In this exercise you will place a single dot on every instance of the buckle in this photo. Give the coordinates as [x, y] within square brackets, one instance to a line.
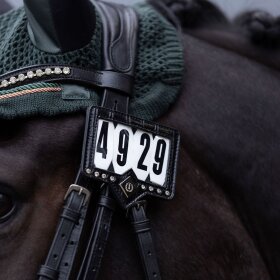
[80, 190]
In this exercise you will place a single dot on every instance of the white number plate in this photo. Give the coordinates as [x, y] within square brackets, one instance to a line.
[135, 156]
[119, 149]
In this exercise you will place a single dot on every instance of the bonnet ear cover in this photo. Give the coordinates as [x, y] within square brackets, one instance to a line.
[159, 69]
[60, 26]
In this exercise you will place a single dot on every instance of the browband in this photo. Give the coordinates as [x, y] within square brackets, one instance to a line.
[62, 73]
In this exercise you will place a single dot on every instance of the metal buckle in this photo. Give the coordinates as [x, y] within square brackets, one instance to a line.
[80, 190]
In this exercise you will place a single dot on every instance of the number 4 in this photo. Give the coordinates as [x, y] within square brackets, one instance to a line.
[102, 143]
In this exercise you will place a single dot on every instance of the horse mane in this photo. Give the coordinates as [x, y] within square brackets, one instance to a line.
[260, 27]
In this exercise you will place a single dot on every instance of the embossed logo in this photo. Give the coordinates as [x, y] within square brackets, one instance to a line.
[129, 187]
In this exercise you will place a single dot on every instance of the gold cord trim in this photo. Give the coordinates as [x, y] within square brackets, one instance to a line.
[30, 91]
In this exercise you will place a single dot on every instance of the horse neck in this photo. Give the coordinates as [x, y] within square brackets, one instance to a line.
[233, 40]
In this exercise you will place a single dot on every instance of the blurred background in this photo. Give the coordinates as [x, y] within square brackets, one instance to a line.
[230, 7]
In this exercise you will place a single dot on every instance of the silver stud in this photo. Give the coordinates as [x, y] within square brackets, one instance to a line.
[143, 187]
[167, 193]
[66, 70]
[57, 71]
[104, 176]
[151, 189]
[21, 77]
[13, 80]
[4, 83]
[159, 191]
[48, 71]
[96, 174]
[39, 73]
[88, 171]
[30, 74]
[112, 178]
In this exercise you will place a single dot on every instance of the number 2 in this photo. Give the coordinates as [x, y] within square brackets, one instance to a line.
[144, 141]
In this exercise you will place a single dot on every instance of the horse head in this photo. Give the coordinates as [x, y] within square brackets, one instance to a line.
[216, 228]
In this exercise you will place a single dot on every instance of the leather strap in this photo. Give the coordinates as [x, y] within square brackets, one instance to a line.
[75, 200]
[142, 229]
[98, 237]
[120, 29]
[61, 73]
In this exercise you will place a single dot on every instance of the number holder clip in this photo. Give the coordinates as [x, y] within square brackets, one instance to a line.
[112, 155]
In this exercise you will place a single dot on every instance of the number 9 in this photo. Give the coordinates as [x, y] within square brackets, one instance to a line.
[159, 157]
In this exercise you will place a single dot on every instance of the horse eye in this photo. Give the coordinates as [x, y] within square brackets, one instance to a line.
[7, 206]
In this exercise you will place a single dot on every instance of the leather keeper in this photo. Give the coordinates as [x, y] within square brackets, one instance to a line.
[141, 227]
[71, 215]
[48, 272]
[107, 202]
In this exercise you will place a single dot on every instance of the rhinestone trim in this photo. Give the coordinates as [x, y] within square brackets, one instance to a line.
[159, 191]
[33, 74]
[112, 178]
[167, 193]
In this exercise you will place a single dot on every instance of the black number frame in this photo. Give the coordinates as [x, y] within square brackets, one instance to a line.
[127, 188]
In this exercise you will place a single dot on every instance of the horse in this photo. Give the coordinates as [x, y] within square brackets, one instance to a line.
[222, 223]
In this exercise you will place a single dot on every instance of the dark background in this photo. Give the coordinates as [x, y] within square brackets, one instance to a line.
[230, 7]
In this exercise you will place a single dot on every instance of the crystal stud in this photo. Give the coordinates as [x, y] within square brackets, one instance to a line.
[143, 187]
[21, 77]
[30, 74]
[57, 71]
[66, 70]
[48, 71]
[104, 176]
[112, 178]
[4, 83]
[96, 174]
[39, 73]
[159, 191]
[167, 193]
[88, 171]
[151, 189]
[13, 80]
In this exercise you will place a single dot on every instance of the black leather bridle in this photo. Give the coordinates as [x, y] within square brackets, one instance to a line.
[69, 256]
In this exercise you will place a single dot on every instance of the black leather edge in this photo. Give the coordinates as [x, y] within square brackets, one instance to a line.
[121, 82]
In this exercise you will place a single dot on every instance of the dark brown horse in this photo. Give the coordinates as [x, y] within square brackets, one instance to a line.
[223, 222]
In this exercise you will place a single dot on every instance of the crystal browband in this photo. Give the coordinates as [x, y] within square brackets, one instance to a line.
[13, 80]
[64, 73]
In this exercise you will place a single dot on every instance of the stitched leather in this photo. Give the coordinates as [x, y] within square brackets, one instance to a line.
[69, 218]
[120, 29]
[141, 226]
[120, 26]
[98, 237]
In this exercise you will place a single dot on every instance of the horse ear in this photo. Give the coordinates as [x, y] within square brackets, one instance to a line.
[57, 26]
